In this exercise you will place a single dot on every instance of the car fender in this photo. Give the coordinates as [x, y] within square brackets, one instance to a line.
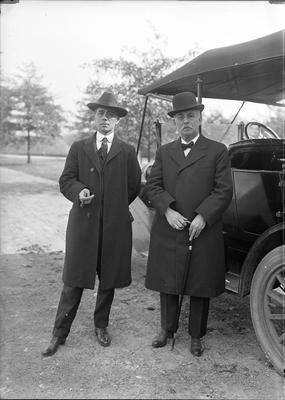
[268, 240]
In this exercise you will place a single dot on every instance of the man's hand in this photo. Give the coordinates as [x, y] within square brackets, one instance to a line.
[196, 226]
[85, 197]
[175, 219]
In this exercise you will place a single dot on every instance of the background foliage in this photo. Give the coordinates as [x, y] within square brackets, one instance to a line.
[125, 76]
[27, 106]
[29, 110]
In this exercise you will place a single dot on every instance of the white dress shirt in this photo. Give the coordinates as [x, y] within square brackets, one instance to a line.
[187, 151]
[100, 137]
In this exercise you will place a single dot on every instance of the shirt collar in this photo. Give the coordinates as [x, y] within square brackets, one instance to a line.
[100, 137]
[193, 140]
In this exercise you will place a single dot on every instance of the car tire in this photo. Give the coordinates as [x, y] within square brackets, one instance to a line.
[267, 306]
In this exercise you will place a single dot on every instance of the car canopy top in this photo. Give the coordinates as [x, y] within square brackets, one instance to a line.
[252, 71]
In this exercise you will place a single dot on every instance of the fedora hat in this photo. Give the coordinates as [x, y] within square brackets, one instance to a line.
[108, 100]
[184, 101]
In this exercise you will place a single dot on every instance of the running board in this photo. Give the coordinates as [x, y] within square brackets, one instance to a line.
[232, 282]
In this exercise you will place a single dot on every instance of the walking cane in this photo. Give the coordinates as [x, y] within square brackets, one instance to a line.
[184, 281]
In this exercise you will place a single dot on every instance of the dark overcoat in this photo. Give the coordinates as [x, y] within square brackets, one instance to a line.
[115, 186]
[200, 183]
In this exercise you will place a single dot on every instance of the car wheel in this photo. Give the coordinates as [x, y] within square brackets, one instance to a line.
[267, 306]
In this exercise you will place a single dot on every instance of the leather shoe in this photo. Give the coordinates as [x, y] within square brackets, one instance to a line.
[103, 336]
[53, 346]
[160, 340]
[196, 347]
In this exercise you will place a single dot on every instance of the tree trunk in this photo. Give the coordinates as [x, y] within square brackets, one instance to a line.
[28, 147]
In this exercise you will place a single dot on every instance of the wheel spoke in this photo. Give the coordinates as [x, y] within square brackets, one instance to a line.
[281, 280]
[277, 297]
[282, 337]
[276, 316]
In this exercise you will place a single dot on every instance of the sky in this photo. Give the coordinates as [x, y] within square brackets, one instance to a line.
[60, 36]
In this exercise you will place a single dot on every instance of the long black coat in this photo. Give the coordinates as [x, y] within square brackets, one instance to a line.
[197, 184]
[115, 187]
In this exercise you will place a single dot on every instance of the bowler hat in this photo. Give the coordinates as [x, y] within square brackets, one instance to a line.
[184, 101]
[108, 100]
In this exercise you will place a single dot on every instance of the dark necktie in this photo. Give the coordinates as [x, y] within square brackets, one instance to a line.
[103, 150]
[186, 145]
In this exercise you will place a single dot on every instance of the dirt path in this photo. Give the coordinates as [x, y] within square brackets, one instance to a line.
[33, 221]
[33, 212]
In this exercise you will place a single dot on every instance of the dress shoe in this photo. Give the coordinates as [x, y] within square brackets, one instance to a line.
[160, 340]
[53, 346]
[196, 347]
[103, 336]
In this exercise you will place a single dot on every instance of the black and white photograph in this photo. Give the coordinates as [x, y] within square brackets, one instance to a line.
[142, 199]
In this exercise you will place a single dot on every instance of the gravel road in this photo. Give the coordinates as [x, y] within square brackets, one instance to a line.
[33, 222]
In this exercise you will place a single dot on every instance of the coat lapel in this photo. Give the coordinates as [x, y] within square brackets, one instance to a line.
[92, 154]
[114, 149]
[176, 152]
[198, 151]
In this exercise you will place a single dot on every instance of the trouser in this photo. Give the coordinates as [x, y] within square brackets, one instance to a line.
[198, 314]
[71, 296]
[68, 305]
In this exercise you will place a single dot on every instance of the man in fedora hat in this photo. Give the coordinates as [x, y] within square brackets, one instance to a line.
[101, 177]
[190, 187]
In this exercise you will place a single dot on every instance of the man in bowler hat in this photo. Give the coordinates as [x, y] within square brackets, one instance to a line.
[101, 177]
[190, 187]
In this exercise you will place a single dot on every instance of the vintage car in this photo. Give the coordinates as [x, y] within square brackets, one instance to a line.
[254, 222]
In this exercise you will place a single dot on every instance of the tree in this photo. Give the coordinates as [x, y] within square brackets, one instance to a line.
[31, 114]
[276, 120]
[7, 126]
[124, 76]
[216, 117]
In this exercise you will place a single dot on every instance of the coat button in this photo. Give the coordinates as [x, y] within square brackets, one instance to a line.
[92, 169]
[88, 215]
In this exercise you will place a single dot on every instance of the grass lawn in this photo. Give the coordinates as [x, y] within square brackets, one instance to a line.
[44, 167]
